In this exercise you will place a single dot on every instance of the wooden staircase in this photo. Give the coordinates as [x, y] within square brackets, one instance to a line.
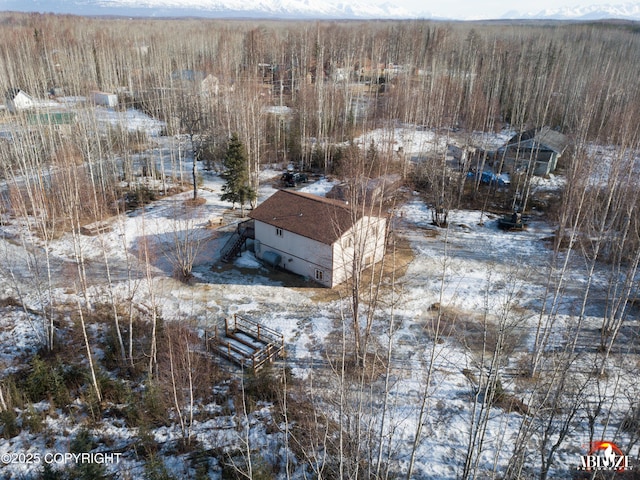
[234, 245]
[246, 343]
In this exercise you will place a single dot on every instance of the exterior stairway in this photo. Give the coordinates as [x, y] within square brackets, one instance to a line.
[235, 243]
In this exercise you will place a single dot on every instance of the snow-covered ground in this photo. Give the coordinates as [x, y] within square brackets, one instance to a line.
[418, 141]
[471, 268]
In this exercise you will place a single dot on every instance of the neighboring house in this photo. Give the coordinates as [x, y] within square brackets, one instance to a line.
[188, 75]
[212, 86]
[140, 49]
[373, 191]
[538, 149]
[192, 81]
[104, 99]
[197, 81]
[17, 99]
[316, 237]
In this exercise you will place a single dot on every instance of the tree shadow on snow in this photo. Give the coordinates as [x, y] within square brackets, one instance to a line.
[168, 252]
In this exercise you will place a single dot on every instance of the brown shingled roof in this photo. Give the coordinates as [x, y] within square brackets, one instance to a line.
[311, 216]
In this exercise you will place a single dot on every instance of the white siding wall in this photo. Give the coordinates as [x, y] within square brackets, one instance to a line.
[104, 99]
[304, 256]
[21, 101]
[300, 255]
[369, 235]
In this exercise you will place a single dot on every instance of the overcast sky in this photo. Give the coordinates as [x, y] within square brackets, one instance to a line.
[476, 9]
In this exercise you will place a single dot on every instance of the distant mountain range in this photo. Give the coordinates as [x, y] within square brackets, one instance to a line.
[286, 9]
[625, 11]
[291, 9]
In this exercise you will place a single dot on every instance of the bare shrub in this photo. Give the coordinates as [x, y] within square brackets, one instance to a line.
[195, 202]
[312, 431]
[472, 331]
[192, 368]
[139, 196]
[122, 140]
[238, 467]
[631, 421]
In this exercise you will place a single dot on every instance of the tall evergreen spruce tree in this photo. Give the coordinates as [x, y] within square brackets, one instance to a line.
[237, 187]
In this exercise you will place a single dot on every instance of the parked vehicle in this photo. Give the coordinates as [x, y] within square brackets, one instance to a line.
[514, 221]
[293, 179]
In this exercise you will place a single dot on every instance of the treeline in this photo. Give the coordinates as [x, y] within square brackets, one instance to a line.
[579, 78]
[336, 80]
[297, 92]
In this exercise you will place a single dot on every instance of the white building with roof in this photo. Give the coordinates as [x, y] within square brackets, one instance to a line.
[316, 237]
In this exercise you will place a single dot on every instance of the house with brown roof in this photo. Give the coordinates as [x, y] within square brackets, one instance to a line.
[317, 237]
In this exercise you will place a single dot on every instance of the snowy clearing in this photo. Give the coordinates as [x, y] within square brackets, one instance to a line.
[470, 269]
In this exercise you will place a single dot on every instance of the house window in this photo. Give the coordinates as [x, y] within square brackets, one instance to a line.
[319, 275]
[278, 232]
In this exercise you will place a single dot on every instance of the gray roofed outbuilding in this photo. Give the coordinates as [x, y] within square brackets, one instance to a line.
[544, 137]
[536, 150]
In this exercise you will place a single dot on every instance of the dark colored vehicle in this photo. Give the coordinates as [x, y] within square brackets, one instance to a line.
[293, 179]
[515, 221]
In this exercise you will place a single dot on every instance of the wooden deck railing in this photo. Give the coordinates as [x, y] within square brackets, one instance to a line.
[267, 344]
